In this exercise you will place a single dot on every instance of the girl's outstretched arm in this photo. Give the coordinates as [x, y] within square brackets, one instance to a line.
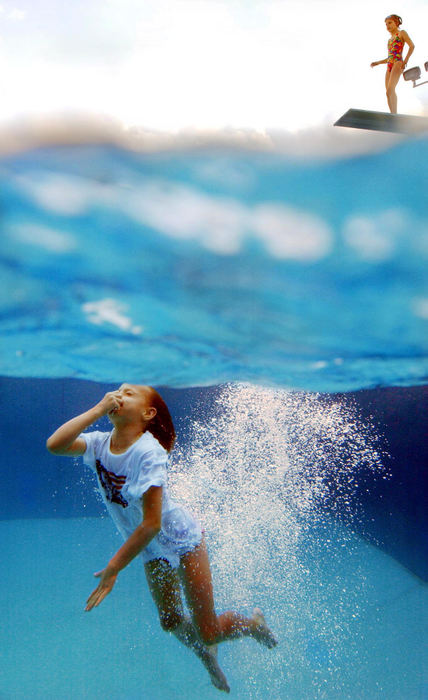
[140, 538]
[378, 63]
[65, 440]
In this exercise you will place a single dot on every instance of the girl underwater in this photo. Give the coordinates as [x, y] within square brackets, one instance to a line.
[395, 64]
[131, 467]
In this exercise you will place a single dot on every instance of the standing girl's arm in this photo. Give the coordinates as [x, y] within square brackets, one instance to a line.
[65, 440]
[140, 538]
[378, 63]
[407, 40]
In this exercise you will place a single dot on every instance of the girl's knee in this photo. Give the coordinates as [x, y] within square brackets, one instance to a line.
[208, 635]
[169, 621]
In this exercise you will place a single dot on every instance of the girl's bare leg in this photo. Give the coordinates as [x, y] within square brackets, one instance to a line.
[387, 74]
[164, 586]
[197, 583]
[391, 80]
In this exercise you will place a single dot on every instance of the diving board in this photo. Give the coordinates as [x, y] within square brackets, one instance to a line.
[383, 121]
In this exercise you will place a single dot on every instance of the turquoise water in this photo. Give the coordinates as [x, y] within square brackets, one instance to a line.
[201, 267]
[290, 280]
[358, 632]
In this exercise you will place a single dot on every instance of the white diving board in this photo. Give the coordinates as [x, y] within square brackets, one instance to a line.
[383, 121]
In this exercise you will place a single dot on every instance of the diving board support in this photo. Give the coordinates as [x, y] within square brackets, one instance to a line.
[383, 121]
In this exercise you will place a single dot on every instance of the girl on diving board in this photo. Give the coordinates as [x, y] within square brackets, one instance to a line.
[395, 64]
[130, 463]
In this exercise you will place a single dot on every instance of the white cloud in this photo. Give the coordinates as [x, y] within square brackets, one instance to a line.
[53, 240]
[290, 233]
[375, 237]
[221, 224]
[63, 194]
[218, 223]
[110, 311]
[183, 212]
[363, 235]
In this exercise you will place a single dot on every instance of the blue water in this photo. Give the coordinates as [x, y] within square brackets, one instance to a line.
[358, 634]
[291, 280]
[200, 267]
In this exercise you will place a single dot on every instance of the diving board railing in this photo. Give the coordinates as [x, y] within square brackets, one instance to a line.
[414, 74]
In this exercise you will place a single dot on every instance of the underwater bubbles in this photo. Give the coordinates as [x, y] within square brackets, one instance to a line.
[273, 476]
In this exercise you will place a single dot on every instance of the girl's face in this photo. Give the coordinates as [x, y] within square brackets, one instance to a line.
[134, 404]
[391, 25]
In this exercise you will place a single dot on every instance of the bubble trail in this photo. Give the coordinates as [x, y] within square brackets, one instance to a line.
[272, 475]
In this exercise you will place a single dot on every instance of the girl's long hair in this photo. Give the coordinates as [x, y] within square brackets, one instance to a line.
[161, 426]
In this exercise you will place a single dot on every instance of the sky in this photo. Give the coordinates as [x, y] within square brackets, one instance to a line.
[172, 65]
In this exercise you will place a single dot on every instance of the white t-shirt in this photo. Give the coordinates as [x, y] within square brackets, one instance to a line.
[122, 481]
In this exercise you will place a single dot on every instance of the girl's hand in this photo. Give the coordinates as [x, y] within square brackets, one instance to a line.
[108, 579]
[110, 403]
[375, 63]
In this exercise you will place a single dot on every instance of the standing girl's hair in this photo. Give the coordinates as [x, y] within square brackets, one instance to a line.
[397, 19]
[161, 426]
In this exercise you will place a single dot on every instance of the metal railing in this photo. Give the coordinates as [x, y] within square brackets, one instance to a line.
[414, 74]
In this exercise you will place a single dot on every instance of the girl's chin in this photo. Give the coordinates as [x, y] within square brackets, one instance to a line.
[114, 416]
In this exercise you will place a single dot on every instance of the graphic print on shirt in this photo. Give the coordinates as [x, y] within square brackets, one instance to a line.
[112, 484]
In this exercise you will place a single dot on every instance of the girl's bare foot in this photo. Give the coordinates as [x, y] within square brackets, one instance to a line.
[260, 631]
[209, 659]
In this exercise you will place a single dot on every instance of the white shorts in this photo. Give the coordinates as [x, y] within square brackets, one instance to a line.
[180, 534]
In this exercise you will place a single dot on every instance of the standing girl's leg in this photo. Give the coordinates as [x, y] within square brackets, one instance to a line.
[164, 585]
[387, 74]
[197, 583]
[391, 79]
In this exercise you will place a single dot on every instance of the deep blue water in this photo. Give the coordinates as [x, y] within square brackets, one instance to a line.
[330, 540]
[281, 305]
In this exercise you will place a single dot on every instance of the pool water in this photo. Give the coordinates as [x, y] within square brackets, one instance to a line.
[358, 629]
[280, 304]
[215, 266]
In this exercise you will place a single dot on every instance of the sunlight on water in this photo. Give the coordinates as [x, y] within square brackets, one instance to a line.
[267, 475]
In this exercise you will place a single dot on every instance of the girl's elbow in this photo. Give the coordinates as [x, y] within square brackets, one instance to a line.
[153, 527]
[53, 447]
[156, 528]
[50, 445]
